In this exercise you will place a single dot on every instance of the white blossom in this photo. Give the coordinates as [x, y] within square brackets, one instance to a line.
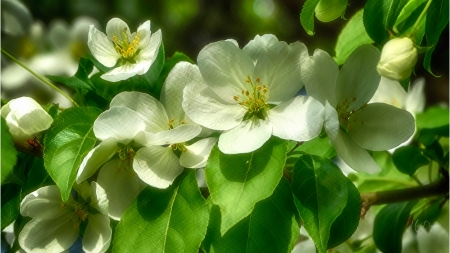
[131, 53]
[398, 58]
[25, 117]
[351, 124]
[55, 225]
[250, 94]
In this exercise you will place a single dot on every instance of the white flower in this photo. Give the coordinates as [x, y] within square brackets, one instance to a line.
[133, 53]
[55, 225]
[25, 117]
[249, 93]
[351, 124]
[398, 58]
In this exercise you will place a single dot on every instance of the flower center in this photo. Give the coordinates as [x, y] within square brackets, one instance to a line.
[79, 212]
[177, 146]
[126, 156]
[347, 118]
[125, 46]
[254, 99]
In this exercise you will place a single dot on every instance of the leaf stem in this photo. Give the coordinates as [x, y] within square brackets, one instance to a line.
[39, 77]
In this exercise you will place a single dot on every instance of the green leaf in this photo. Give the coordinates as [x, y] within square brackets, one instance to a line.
[51, 109]
[170, 220]
[352, 36]
[9, 153]
[380, 16]
[66, 143]
[404, 24]
[307, 16]
[80, 80]
[347, 222]
[37, 176]
[168, 65]
[272, 226]
[152, 75]
[237, 182]
[408, 159]
[321, 192]
[437, 20]
[389, 225]
[10, 203]
[318, 146]
[433, 117]
[427, 136]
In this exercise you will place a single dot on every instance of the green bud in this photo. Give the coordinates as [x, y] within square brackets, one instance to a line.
[329, 10]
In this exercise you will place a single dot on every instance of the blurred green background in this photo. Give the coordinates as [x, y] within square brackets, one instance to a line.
[189, 25]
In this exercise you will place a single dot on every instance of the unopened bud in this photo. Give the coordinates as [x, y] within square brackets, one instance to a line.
[398, 58]
[329, 10]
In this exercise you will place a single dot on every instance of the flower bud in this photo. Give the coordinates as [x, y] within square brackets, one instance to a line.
[398, 58]
[329, 10]
[25, 117]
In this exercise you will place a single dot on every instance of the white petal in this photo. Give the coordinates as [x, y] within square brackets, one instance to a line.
[48, 236]
[390, 92]
[332, 125]
[102, 48]
[29, 116]
[96, 158]
[149, 108]
[99, 198]
[381, 127]
[197, 154]
[247, 137]
[259, 45]
[115, 27]
[353, 155]
[44, 203]
[319, 73]
[179, 134]
[279, 69]
[299, 119]
[358, 77]
[157, 166]
[97, 236]
[204, 107]
[225, 68]
[415, 102]
[121, 186]
[148, 54]
[123, 72]
[120, 123]
[144, 33]
[181, 75]
[15, 130]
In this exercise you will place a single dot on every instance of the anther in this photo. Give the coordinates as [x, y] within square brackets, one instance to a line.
[257, 80]
[236, 98]
[258, 87]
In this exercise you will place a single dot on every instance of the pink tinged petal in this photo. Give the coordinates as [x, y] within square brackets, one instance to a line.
[123, 72]
[120, 123]
[44, 203]
[197, 154]
[381, 127]
[299, 119]
[96, 158]
[181, 75]
[259, 45]
[353, 155]
[358, 77]
[97, 236]
[332, 125]
[157, 166]
[320, 73]
[116, 27]
[149, 108]
[204, 107]
[179, 134]
[99, 198]
[225, 68]
[121, 186]
[48, 236]
[279, 69]
[247, 137]
[102, 48]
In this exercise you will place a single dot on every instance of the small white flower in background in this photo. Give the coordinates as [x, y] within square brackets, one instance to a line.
[25, 117]
[398, 58]
[55, 225]
[351, 124]
[250, 94]
[133, 53]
